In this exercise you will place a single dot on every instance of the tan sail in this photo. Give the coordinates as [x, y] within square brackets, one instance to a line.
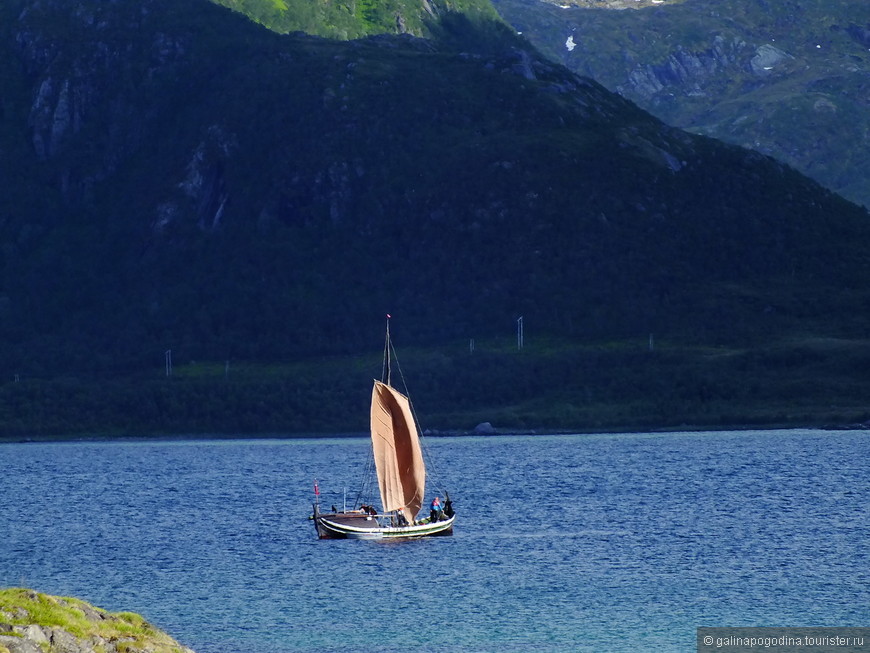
[398, 457]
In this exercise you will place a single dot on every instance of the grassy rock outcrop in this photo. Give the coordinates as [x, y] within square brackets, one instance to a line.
[31, 622]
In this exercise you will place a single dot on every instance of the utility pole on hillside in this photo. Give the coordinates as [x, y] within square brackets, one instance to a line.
[168, 356]
[520, 333]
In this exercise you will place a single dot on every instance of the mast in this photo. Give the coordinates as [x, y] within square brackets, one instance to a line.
[385, 374]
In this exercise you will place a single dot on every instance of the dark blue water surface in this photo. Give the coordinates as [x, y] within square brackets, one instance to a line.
[603, 543]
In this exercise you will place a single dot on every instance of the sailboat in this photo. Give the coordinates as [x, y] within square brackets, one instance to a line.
[401, 475]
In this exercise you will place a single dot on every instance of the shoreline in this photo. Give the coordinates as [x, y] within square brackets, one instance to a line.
[432, 433]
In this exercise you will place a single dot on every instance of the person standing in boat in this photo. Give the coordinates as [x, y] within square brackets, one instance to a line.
[435, 510]
[400, 517]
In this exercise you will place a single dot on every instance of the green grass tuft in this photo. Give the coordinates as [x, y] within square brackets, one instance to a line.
[129, 631]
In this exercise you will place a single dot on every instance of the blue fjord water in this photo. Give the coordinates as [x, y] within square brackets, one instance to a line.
[604, 543]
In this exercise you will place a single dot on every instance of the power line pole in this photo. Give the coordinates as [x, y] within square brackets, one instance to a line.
[168, 356]
[520, 333]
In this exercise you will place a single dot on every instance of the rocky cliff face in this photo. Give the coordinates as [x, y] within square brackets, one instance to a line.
[694, 72]
[613, 4]
[31, 622]
[93, 97]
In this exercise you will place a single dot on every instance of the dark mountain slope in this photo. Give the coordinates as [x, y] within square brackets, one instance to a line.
[183, 179]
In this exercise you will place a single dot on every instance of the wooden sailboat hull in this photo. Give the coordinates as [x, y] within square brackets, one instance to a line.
[401, 473]
[357, 526]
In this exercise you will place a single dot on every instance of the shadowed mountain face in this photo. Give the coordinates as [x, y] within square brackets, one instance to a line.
[788, 79]
[179, 177]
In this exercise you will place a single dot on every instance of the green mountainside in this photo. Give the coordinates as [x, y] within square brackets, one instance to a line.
[788, 79]
[179, 179]
[350, 19]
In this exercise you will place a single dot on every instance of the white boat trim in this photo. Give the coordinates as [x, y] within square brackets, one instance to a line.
[381, 532]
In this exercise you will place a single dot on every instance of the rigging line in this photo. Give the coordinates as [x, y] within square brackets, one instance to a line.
[385, 371]
[371, 478]
[365, 489]
[434, 475]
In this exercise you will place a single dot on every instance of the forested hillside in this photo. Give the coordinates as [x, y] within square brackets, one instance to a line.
[182, 179]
